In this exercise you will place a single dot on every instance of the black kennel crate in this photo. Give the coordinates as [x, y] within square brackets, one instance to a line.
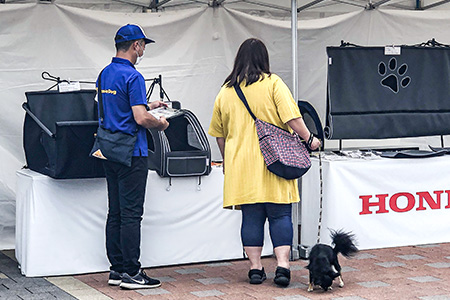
[58, 134]
[180, 150]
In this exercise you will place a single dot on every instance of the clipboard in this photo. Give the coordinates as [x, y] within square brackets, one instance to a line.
[166, 112]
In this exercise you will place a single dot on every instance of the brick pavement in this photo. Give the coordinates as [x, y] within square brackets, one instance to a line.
[415, 272]
[15, 286]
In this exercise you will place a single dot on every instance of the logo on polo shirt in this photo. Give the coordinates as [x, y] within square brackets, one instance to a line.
[108, 91]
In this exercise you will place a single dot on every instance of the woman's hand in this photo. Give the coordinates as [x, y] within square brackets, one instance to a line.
[299, 126]
[314, 144]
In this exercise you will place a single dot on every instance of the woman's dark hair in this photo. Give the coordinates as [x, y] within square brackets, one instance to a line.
[250, 64]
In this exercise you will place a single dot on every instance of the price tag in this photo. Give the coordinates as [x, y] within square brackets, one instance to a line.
[64, 87]
[392, 50]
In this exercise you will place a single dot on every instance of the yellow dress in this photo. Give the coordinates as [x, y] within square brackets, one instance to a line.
[247, 179]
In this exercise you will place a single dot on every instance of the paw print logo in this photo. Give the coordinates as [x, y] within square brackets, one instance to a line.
[394, 78]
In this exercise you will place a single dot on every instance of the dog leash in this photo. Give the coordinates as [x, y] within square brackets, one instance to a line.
[321, 196]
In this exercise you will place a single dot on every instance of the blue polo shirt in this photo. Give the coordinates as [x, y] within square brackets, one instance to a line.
[123, 87]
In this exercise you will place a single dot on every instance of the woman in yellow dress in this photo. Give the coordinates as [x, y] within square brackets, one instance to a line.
[248, 183]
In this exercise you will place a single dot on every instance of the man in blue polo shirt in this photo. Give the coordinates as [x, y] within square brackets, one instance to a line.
[125, 109]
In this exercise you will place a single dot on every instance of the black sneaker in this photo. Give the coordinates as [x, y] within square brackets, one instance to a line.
[115, 278]
[139, 281]
[282, 276]
[256, 276]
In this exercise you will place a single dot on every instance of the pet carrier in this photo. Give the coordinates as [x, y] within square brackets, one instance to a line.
[58, 133]
[180, 150]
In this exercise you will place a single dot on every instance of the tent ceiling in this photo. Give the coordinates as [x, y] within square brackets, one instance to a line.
[277, 9]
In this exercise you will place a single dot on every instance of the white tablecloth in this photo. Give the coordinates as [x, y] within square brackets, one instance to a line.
[60, 224]
[413, 193]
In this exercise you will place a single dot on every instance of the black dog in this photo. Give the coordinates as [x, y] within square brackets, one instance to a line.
[323, 261]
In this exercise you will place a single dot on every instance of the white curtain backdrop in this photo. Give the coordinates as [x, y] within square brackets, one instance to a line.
[194, 52]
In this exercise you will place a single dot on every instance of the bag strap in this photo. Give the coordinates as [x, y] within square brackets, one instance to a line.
[100, 100]
[242, 97]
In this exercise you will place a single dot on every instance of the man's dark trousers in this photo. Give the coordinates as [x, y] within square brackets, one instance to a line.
[126, 194]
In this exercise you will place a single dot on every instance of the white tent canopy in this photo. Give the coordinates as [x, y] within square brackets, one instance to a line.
[196, 42]
[307, 9]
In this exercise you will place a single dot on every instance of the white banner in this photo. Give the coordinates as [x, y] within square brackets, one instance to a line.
[385, 202]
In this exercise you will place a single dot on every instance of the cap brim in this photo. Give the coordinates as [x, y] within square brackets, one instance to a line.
[148, 41]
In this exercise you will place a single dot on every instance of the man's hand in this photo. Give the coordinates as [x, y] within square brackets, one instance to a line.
[163, 124]
[156, 104]
[145, 119]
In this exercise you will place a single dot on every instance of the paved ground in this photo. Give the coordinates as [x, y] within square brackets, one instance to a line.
[419, 272]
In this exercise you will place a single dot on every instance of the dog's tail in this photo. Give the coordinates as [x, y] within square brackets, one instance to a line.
[344, 243]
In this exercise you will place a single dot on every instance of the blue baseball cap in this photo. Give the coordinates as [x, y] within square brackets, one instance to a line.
[131, 32]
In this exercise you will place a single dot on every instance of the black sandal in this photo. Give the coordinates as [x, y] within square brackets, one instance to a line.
[257, 276]
[282, 277]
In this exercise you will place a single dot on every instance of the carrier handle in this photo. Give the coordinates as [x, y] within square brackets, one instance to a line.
[33, 116]
[46, 76]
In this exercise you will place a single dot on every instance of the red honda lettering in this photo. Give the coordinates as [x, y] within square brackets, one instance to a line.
[448, 199]
[381, 203]
[409, 197]
[429, 199]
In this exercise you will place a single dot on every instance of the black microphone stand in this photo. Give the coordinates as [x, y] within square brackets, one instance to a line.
[162, 92]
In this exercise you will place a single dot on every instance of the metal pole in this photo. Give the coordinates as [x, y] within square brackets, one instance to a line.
[418, 5]
[294, 48]
[435, 4]
[308, 5]
[295, 207]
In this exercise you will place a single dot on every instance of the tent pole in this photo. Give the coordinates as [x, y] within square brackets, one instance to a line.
[434, 4]
[295, 207]
[294, 49]
[418, 5]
